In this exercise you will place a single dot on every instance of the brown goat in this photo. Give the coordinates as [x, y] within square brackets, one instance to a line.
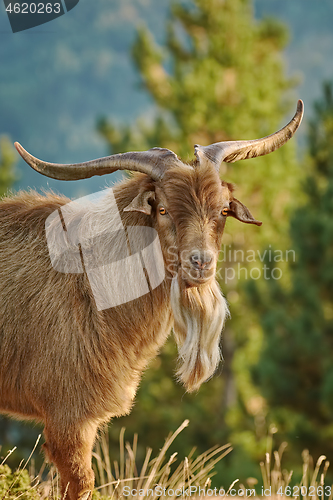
[69, 364]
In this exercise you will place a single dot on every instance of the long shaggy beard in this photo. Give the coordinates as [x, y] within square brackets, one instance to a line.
[199, 316]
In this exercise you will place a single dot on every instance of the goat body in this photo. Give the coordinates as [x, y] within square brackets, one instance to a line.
[63, 362]
[72, 365]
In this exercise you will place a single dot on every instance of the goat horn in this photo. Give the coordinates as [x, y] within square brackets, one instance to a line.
[153, 162]
[241, 150]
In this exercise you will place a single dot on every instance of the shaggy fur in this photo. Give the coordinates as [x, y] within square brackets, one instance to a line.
[72, 367]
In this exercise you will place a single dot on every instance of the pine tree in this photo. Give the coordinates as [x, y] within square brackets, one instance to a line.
[219, 76]
[295, 371]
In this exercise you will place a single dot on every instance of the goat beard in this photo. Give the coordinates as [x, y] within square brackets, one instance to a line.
[199, 316]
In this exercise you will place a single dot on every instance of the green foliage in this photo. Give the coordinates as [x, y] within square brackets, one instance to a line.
[219, 76]
[295, 369]
[7, 161]
[16, 484]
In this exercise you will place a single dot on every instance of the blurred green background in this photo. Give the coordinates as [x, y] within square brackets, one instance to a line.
[120, 75]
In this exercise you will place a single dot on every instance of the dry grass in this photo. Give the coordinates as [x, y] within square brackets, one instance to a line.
[166, 476]
[279, 484]
[159, 473]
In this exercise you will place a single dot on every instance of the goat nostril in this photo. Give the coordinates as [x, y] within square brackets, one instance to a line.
[200, 261]
[195, 261]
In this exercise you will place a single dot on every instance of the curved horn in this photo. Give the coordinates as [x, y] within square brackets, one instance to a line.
[241, 150]
[153, 162]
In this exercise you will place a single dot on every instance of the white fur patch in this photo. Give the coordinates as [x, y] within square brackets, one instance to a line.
[199, 315]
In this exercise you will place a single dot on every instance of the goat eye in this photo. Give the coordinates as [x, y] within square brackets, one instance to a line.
[225, 211]
[163, 211]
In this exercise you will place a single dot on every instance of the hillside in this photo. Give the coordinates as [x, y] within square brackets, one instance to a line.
[56, 80]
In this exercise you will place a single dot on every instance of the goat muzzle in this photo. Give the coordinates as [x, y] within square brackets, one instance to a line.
[198, 268]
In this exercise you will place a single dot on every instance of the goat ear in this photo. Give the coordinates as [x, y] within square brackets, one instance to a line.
[242, 213]
[141, 203]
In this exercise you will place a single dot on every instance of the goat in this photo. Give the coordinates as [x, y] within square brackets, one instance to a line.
[71, 365]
